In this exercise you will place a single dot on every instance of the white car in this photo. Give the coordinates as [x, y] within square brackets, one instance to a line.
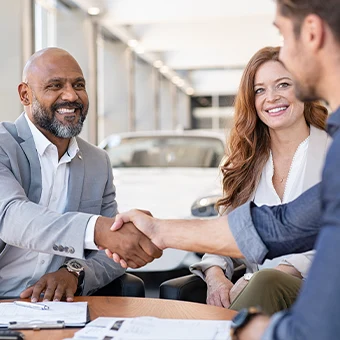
[165, 172]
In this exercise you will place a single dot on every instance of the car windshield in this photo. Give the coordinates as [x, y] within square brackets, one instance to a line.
[163, 151]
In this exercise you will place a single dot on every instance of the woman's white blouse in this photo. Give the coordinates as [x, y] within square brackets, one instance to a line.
[266, 195]
[265, 192]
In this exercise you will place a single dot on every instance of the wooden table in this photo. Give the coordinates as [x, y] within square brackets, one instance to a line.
[132, 307]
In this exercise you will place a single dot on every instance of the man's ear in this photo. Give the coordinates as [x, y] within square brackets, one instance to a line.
[24, 94]
[313, 32]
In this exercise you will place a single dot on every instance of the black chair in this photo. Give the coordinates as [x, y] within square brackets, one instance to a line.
[125, 285]
[190, 287]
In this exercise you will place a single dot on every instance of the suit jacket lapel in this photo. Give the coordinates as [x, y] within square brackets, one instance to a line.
[75, 184]
[28, 146]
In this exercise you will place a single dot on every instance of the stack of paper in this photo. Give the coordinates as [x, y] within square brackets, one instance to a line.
[151, 328]
[74, 314]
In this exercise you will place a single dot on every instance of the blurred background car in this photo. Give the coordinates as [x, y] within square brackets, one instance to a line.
[173, 174]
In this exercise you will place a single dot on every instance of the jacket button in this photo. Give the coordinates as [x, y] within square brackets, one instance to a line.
[55, 247]
[61, 248]
[71, 250]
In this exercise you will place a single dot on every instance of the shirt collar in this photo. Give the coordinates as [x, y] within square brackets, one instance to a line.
[72, 148]
[333, 122]
[42, 143]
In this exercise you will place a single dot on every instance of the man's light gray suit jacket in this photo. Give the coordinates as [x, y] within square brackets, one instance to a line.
[26, 224]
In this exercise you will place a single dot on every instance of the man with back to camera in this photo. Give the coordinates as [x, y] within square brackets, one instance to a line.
[311, 52]
[54, 186]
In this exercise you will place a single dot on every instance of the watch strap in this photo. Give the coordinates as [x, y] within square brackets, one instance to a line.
[80, 287]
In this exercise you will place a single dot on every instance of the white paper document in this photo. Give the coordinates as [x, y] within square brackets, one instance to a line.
[150, 328]
[72, 313]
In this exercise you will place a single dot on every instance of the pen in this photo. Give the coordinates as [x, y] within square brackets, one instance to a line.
[31, 305]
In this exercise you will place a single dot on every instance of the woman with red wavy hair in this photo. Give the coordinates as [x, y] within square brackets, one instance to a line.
[276, 151]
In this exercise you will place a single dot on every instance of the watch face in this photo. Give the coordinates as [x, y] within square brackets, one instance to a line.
[75, 265]
[248, 276]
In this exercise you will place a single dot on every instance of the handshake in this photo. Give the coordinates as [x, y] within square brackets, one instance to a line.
[139, 238]
[133, 240]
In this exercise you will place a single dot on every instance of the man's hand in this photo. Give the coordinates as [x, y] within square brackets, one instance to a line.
[145, 223]
[255, 328]
[237, 289]
[218, 287]
[54, 286]
[128, 243]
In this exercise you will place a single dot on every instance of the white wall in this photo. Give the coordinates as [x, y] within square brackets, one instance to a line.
[166, 108]
[144, 96]
[11, 63]
[113, 88]
[183, 110]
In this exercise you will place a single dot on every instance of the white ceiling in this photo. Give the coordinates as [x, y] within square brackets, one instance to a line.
[207, 42]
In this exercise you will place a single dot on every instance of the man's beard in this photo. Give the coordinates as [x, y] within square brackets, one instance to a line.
[42, 117]
[305, 93]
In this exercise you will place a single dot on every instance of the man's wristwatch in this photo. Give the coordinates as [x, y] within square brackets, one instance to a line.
[77, 269]
[241, 319]
[248, 276]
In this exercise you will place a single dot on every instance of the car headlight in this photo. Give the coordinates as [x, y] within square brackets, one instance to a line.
[205, 206]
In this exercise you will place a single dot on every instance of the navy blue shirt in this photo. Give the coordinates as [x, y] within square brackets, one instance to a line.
[294, 227]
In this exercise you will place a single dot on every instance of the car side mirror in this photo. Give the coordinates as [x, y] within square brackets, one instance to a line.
[205, 206]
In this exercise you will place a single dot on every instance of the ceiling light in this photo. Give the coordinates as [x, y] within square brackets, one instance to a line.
[139, 50]
[93, 10]
[132, 43]
[158, 63]
[164, 69]
[180, 83]
[189, 91]
[175, 79]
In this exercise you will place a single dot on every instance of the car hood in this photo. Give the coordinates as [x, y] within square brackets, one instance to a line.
[166, 192]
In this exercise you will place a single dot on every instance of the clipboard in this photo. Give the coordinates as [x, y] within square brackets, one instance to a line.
[58, 315]
[36, 325]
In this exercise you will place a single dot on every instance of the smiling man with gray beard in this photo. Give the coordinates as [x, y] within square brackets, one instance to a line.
[57, 198]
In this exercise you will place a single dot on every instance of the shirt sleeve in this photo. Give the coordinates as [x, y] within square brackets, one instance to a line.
[246, 235]
[300, 262]
[211, 260]
[269, 232]
[276, 319]
[89, 234]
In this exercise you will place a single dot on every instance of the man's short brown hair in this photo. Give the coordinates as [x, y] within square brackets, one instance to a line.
[297, 10]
